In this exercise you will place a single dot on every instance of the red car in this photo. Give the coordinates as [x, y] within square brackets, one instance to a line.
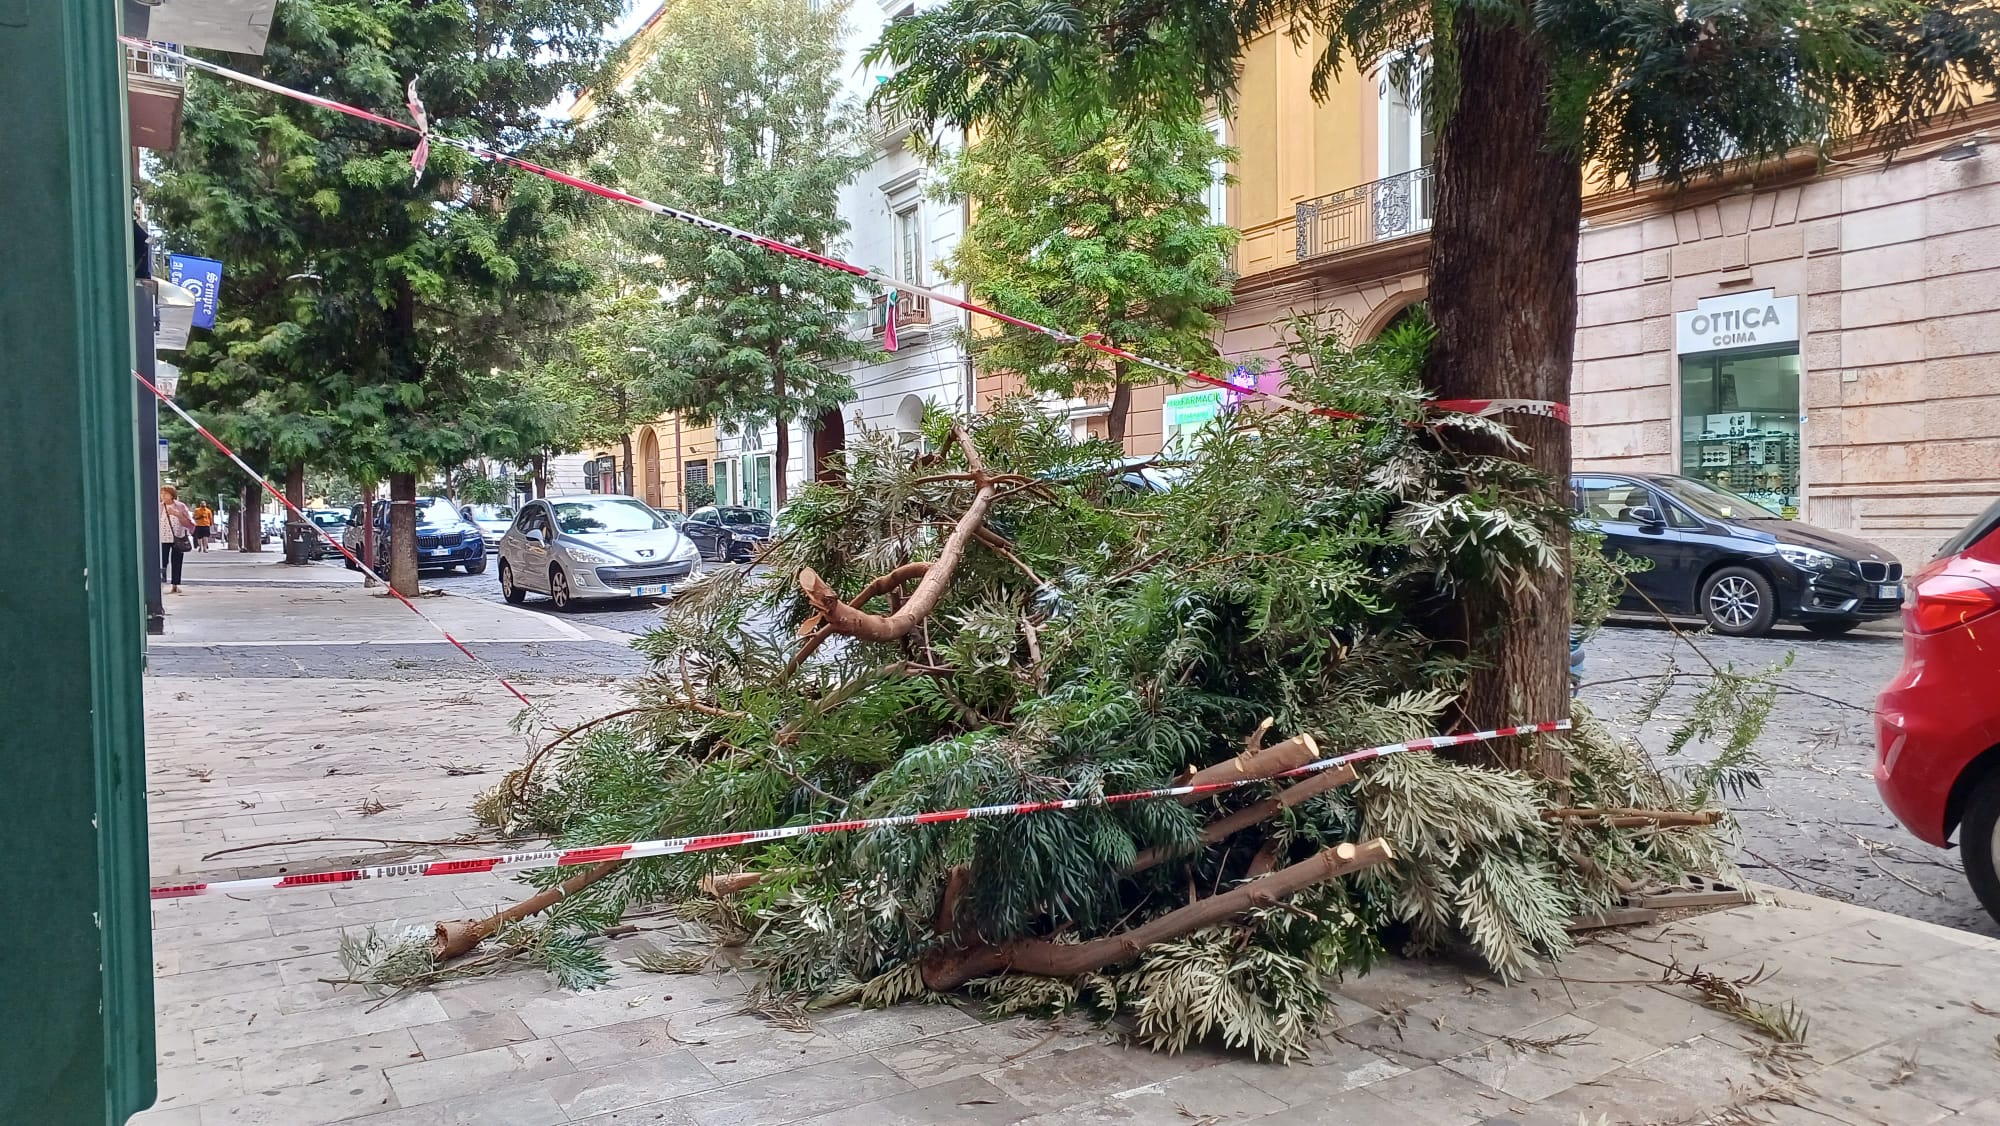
[1937, 725]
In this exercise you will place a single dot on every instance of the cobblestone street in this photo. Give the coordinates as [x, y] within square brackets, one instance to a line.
[1818, 825]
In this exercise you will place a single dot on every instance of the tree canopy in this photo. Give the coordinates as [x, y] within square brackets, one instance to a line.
[362, 313]
[738, 117]
[1101, 226]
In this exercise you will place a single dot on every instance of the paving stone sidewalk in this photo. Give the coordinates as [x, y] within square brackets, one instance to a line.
[250, 1032]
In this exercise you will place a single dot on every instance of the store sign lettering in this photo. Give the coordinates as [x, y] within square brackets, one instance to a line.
[1746, 320]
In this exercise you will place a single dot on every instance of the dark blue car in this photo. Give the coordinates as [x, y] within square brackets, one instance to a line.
[445, 539]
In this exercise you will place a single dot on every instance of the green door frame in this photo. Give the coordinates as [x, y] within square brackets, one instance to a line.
[77, 941]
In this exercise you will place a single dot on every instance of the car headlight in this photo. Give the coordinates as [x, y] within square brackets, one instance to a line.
[1808, 558]
[744, 537]
[588, 557]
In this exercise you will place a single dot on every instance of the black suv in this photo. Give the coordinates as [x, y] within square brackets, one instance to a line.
[1732, 562]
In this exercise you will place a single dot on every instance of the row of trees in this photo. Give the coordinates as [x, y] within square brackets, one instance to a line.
[384, 330]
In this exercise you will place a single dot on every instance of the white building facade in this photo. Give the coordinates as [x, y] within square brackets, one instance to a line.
[897, 227]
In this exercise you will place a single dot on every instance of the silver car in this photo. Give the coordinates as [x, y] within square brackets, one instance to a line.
[588, 547]
[491, 519]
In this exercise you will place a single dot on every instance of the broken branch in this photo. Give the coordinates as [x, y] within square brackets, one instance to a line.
[1065, 959]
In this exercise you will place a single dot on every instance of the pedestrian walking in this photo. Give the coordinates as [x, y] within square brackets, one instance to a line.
[204, 524]
[176, 537]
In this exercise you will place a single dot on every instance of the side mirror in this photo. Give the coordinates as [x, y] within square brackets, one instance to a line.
[534, 535]
[1648, 517]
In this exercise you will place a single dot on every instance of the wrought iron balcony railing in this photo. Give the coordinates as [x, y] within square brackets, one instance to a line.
[889, 124]
[145, 62]
[1385, 209]
[912, 311]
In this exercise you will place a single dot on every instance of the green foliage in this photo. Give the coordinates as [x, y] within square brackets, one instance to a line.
[1677, 89]
[1294, 574]
[1099, 224]
[1597, 580]
[361, 316]
[737, 118]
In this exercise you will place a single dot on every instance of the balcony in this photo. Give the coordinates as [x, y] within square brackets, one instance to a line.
[912, 312]
[1382, 211]
[889, 125]
[155, 83]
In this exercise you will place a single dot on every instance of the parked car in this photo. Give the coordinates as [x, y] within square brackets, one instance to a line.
[444, 538]
[333, 522]
[593, 546]
[728, 534]
[493, 521]
[1937, 724]
[1731, 562]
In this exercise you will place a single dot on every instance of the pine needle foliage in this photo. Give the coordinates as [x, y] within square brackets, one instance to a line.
[1114, 640]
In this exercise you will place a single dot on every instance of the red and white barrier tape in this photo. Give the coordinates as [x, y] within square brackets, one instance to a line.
[637, 850]
[425, 138]
[278, 493]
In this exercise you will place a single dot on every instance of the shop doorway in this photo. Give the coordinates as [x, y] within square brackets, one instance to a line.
[1740, 423]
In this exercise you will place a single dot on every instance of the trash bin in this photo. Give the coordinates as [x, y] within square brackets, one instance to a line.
[300, 538]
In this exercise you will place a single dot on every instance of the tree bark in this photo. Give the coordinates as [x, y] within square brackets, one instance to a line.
[627, 450]
[295, 491]
[252, 523]
[1503, 298]
[539, 481]
[782, 450]
[402, 574]
[1121, 406]
[368, 553]
[947, 970]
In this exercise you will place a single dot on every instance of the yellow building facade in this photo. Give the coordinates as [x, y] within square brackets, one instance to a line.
[1861, 397]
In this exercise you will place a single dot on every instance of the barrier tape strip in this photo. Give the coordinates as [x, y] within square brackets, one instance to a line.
[637, 850]
[1096, 342]
[365, 569]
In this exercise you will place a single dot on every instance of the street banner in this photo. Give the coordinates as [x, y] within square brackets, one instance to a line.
[201, 277]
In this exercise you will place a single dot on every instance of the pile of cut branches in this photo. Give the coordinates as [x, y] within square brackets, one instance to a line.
[1004, 617]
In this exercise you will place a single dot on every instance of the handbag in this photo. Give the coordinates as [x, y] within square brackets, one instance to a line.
[183, 542]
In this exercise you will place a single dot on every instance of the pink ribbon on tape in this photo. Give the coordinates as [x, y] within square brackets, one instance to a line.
[674, 846]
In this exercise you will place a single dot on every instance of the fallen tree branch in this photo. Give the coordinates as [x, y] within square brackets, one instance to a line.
[843, 618]
[456, 938]
[1255, 762]
[948, 970]
[1217, 831]
[998, 545]
[527, 770]
[1635, 818]
[889, 584]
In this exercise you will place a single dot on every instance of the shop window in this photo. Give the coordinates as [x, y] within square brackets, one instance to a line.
[1740, 424]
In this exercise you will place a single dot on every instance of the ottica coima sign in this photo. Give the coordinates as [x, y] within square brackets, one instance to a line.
[1738, 320]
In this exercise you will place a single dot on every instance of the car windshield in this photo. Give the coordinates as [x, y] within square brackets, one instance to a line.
[492, 512]
[435, 510]
[1714, 503]
[584, 517]
[743, 516]
[1981, 526]
[329, 519]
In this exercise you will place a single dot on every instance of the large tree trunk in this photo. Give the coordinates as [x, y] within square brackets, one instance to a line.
[402, 574]
[253, 519]
[627, 439]
[782, 451]
[1121, 406]
[295, 491]
[538, 483]
[1503, 296]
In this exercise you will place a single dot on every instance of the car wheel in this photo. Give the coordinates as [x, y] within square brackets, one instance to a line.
[348, 562]
[559, 590]
[1832, 628]
[513, 594]
[476, 567]
[1739, 602]
[1979, 842]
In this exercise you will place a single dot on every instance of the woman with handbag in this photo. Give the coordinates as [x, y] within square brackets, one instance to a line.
[175, 538]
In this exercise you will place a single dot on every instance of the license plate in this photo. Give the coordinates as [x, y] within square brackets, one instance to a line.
[1888, 590]
[440, 551]
[652, 588]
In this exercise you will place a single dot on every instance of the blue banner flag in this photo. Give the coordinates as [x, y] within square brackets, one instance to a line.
[201, 277]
